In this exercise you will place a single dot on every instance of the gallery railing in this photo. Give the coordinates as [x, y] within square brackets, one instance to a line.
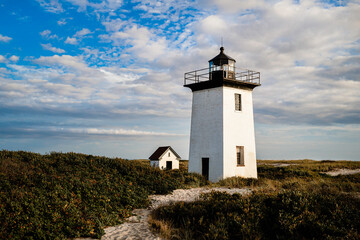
[234, 74]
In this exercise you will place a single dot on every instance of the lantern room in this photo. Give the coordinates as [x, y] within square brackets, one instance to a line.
[222, 67]
[221, 72]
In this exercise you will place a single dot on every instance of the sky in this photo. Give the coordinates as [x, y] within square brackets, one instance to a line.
[106, 77]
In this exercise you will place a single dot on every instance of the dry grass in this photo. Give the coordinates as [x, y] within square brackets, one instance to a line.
[166, 229]
[143, 161]
[324, 165]
[163, 228]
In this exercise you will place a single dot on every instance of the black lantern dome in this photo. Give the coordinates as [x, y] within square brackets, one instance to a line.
[221, 58]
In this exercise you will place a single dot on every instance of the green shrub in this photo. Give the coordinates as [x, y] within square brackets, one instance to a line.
[283, 215]
[66, 195]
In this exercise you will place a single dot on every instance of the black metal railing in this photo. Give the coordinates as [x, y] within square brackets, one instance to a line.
[234, 74]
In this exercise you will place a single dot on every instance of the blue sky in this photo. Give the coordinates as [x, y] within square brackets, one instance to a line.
[105, 77]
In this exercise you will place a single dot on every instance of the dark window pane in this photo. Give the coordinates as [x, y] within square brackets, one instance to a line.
[237, 102]
[240, 155]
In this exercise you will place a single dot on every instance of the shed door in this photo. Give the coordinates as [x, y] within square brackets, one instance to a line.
[205, 168]
[169, 165]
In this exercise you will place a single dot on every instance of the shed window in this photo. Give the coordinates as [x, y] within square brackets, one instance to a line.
[169, 154]
[237, 102]
[240, 155]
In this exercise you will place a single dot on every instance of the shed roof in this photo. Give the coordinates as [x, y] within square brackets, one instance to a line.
[160, 152]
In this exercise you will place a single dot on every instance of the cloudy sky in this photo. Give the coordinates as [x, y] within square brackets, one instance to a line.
[105, 77]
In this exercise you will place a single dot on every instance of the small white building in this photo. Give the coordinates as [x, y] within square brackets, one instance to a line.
[222, 138]
[165, 158]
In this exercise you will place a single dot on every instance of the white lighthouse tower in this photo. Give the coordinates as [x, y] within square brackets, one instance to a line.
[222, 138]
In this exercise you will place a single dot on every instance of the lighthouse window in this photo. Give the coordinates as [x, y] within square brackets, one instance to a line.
[240, 155]
[237, 102]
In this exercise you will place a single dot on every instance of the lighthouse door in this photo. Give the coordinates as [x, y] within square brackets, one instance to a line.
[205, 168]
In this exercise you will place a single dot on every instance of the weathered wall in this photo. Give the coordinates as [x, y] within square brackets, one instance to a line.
[206, 135]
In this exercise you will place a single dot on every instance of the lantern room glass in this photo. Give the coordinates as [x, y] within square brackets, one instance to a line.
[230, 66]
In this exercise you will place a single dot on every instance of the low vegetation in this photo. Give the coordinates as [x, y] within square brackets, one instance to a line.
[295, 200]
[286, 214]
[67, 195]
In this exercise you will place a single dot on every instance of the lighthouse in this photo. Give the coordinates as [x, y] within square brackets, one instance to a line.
[222, 136]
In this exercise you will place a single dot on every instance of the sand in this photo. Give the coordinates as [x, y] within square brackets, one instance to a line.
[137, 227]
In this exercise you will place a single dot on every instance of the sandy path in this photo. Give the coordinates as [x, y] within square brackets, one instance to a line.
[278, 164]
[137, 227]
[342, 171]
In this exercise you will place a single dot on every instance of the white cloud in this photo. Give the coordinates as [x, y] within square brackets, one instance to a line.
[114, 4]
[9, 88]
[71, 62]
[102, 6]
[2, 59]
[67, 84]
[108, 5]
[82, 32]
[165, 9]
[231, 6]
[14, 58]
[214, 25]
[61, 22]
[51, 5]
[5, 38]
[45, 33]
[144, 44]
[119, 131]
[71, 40]
[114, 25]
[78, 36]
[82, 4]
[49, 47]
[51, 88]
